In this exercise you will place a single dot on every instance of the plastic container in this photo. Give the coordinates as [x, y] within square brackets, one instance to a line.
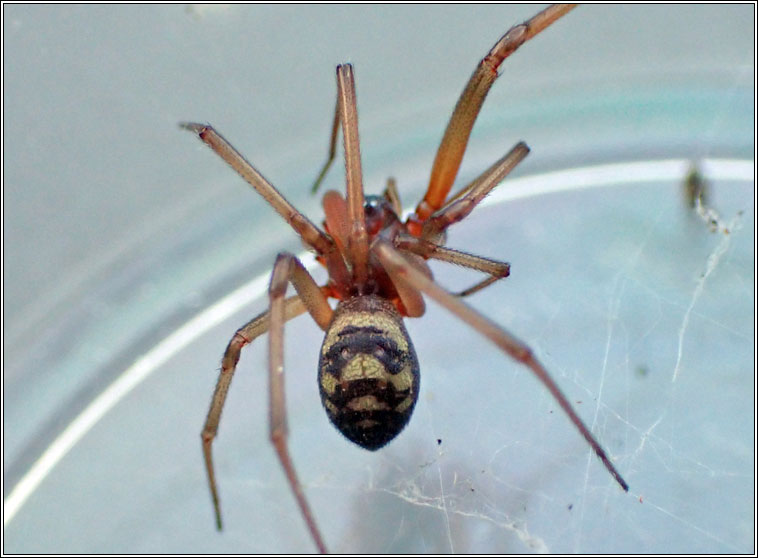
[122, 230]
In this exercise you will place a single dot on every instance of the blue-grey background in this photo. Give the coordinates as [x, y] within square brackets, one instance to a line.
[118, 227]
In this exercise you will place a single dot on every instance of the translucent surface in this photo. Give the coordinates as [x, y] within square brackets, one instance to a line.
[122, 229]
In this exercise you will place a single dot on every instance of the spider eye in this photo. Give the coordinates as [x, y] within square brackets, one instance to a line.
[379, 214]
[345, 353]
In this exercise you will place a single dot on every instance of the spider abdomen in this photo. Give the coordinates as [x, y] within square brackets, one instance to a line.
[368, 371]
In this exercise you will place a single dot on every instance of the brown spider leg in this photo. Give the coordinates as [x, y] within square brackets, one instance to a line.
[332, 149]
[460, 208]
[413, 302]
[289, 269]
[256, 327]
[497, 270]
[398, 268]
[358, 239]
[310, 233]
[455, 139]
[471, 185]
[393, 196]
[457, 209]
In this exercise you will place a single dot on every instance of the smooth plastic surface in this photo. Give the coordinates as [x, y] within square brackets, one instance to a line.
[121, 228]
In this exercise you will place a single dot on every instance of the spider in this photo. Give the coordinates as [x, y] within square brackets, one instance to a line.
[368, 372]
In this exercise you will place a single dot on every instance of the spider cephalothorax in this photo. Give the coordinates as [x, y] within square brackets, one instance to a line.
[368, 371]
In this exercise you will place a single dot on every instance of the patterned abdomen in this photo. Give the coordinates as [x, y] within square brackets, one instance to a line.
[368, 371]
